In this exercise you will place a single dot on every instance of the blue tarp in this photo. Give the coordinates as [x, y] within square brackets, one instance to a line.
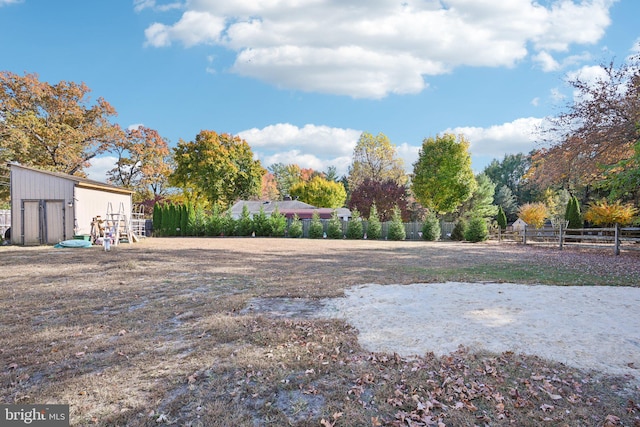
[73, 244]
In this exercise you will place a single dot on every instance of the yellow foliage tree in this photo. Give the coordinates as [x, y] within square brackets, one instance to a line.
[533, 214]
[607, 214]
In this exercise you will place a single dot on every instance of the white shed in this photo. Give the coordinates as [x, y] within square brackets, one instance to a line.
[49, 207]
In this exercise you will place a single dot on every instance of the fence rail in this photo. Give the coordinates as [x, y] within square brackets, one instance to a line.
[618, 238]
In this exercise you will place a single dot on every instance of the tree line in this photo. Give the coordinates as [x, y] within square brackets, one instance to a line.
[589, 156]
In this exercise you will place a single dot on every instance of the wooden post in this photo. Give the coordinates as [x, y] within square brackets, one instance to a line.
[616, 242]
[560, 236]
[524, 235]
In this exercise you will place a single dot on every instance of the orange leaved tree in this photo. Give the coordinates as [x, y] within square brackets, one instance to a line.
[533, 214]
[607, 214]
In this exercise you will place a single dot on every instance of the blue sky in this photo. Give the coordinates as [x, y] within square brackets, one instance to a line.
[300, 80]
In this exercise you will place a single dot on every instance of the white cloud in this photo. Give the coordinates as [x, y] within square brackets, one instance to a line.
[376, 48]
[557, 95]
[7, 2]
[518, 136]
[546, 61]
[310, 146]
[319, 147]
[140, 5]
[100, 166]
[193, 28]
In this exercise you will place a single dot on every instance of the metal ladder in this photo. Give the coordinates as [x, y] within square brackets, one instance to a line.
[117, 225]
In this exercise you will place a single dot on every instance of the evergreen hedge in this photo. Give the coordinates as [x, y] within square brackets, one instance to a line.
[431, 228]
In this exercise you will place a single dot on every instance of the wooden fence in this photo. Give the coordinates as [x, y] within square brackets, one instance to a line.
[617, 238]
[5, 221]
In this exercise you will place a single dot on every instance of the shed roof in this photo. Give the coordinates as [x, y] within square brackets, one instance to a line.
[77, 180]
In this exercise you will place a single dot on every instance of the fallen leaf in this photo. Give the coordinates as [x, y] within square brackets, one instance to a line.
[547, 408]
[611, 421]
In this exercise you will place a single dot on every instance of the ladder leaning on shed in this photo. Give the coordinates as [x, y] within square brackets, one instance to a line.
[117, 225]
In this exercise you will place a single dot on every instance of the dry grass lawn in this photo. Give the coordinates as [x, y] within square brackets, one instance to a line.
[156, 333]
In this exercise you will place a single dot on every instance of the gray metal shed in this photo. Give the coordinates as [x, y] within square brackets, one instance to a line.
[49, 207]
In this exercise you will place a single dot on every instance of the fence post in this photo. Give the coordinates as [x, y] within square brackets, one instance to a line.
[616, 242]
[561, 237]
[524, 235]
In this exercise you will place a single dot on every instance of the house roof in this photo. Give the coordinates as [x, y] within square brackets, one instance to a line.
[268, 206]
[287, 208]
[79, 181]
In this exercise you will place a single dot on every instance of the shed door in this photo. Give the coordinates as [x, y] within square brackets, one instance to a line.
[53, 222]
[42, 222]
[31, 225]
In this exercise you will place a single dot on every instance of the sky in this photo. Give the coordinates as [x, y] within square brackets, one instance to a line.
[300, 80]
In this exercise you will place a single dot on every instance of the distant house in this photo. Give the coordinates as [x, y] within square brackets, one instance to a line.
[288, 208]
[519, 225]
[48, 207]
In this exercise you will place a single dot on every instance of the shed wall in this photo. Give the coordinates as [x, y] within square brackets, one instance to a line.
[28, 185]
[90, 203]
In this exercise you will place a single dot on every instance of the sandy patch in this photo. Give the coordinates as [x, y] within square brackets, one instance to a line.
[586, 327]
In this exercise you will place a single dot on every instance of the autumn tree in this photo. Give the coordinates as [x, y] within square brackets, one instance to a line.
[442, 175]
[53, 126]
[608, 214]
[286, 176]
[269, 188]
[385, 195]
[375, 157]
[320, 193]
[217, 167]
[533, 214]
[143, 162]
[597, 132]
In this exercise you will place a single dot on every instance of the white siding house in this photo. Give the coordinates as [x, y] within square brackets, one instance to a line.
[49, 207]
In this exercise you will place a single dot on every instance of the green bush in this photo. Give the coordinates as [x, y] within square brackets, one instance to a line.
[245, 223]
[199, 222]
[354, 226]
[573, 213]
[458, 230]
[229, 225]
[157, 219]
[396, 227]
[501, 218]
[316, 229]
[431, 228]
[261, 225]
[277, 223]
[295, 228]
[334, 229]
[374, 226]
[477, 230]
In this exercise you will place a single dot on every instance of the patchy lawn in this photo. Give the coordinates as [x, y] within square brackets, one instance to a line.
[158, 333]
